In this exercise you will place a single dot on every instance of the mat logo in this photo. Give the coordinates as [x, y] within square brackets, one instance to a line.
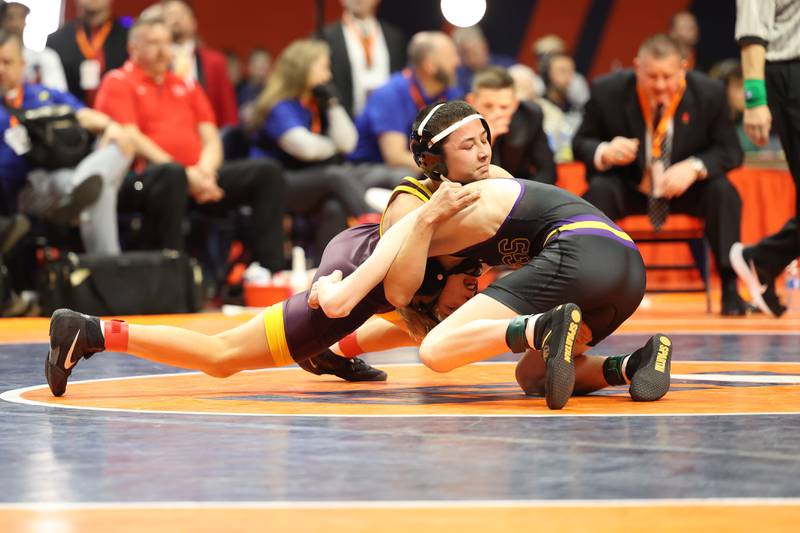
[514, 251]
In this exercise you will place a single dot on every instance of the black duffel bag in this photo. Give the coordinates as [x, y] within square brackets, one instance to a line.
[57, 138]
[133, 283]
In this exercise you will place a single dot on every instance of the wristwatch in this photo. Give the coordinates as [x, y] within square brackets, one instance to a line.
[699, 167]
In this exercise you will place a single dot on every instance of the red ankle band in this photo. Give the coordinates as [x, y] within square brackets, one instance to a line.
[349, 346]
[116, 334]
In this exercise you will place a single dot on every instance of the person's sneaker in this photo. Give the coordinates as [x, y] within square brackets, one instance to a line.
[72, 336]
[651, 380]
[762, 293]
[558, 328]
[68, 208]
[355, 369]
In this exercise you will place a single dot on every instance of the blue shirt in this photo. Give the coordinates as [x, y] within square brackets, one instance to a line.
[389, 108]
[14, 168]
[285, 115]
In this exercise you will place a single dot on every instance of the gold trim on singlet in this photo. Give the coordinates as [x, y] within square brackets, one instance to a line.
[588, 225]
[276, 335]
[413, 189]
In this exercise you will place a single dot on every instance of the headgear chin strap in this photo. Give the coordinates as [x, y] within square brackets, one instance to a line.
[425, 147]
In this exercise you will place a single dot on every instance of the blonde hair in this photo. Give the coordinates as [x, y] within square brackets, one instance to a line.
[418, 322]
[288, 77]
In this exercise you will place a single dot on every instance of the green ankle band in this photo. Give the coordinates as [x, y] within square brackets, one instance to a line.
[755, 93]
[515, 334]
[612, 370]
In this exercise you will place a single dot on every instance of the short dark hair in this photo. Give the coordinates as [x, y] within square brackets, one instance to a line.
[450, 113]
[660, 46]
[492, 78]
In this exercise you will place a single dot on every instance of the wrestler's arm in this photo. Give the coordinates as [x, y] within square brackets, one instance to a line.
[409, 236]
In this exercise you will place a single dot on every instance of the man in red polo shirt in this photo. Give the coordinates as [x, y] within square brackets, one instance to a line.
[174, 131]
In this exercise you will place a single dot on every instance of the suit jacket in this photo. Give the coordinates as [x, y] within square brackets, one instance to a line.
[212, 71]
[333, 34]
[524, 150]
[115, 52]
[702, 125]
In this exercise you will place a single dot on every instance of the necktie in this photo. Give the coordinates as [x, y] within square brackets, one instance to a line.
[657, 207]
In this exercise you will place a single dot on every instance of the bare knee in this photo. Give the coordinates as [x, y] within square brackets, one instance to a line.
[530, 372]
[222, 359]
[429, 354]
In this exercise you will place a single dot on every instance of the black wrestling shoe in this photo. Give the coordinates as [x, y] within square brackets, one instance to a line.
[760, 287]
[354, 369]
[650, 382]
[72, 336]
[558, 329]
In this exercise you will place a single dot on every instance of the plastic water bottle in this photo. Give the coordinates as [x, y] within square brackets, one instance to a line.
[793, 286]
[255, 274]
[298, 282]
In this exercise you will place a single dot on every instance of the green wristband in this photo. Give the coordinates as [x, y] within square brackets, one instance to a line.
[755, 93]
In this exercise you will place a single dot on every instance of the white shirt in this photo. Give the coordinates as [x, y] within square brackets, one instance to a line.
[366, 79]
[44, 68]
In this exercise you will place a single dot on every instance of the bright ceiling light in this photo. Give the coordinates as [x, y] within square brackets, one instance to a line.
[463, 13]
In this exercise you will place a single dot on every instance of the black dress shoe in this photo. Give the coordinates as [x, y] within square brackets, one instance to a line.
[733, 305]
[354, 369]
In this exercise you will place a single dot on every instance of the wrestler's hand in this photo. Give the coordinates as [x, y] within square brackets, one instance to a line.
[449, 199]
[329, 295]
[313, 296]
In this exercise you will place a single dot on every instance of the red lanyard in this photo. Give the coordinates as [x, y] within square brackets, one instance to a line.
[316, 121]
[367, 40]
[416, 94]
[93, 49]
[16, 103]
[659, 131]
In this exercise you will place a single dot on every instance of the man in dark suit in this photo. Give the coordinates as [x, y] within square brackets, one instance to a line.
[364, 51]
[90, 46]
[657, 139]
[519, 143]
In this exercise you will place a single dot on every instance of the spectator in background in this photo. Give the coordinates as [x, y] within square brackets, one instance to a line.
[528, 85]
[90, 46]
[519, 144]
[89, 190]
[729, 72]
[578, 90]
[40, 67]
[298, 119]
[561, 118]
[234, 67]
[657, 139]
[473, 49]
[193, 61]
[364, 52]
[684, 29]
[172, 124]
[385, 124]
[259, 63]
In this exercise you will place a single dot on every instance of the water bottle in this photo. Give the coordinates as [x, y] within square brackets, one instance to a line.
[793, 286]
[298, 282]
